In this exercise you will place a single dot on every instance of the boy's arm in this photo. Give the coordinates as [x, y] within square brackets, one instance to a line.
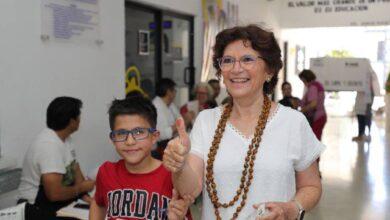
[96, 212]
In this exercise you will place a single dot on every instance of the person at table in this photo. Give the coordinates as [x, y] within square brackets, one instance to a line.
[51, 176]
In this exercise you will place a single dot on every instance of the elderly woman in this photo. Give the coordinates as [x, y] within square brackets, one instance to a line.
[203, 93]
[250, 151]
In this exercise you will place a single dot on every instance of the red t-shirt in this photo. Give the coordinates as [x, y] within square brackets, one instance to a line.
[133, 196]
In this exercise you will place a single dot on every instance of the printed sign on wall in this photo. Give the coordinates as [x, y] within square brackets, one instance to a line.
[75, 21]
[333, 13]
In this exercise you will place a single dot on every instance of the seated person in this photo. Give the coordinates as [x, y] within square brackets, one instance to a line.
[288, 100]
[167, 113]
[214, 84]
[51, 176]
[191, 109]
[138, 186]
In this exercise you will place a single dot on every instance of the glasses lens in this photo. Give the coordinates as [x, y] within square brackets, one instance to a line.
[227, 63]
[247, 61]
[119, 135]
[140, 133]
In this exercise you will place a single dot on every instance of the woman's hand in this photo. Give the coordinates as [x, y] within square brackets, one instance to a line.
[279, 211]
[178, 208]
[176, 152]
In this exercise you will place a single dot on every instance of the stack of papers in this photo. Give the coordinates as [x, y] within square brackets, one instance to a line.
[71, 211]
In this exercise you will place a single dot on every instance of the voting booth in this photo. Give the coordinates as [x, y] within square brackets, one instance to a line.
[343, 74]
[348, 74]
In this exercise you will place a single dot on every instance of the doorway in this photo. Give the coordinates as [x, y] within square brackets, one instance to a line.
[159, 44]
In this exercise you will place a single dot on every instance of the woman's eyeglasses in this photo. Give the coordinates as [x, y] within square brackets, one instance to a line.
[246, 62]
[137, 133]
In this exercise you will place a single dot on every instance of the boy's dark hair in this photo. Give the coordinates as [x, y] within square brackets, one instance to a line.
[163, 86]
[136, 105]
[61, 110]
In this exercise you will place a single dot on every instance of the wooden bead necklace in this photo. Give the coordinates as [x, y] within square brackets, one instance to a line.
[247, 173]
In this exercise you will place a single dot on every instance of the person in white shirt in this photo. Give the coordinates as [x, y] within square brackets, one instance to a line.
[363, 104]
[51, 176]
[362, 108]
[251, 154]
[167, 113]
[203, 93]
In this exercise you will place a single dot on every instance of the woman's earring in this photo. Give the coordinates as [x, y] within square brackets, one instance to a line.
[268, 79]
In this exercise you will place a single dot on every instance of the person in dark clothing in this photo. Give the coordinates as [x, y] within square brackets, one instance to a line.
[214, 83]
[288, 100]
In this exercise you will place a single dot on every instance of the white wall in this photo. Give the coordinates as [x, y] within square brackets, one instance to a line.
[33, 72]
[261, 12]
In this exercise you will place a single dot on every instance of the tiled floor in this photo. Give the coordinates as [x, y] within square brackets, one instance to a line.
[356, 176]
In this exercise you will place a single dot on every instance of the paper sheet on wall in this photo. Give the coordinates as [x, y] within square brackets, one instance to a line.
[74, 21]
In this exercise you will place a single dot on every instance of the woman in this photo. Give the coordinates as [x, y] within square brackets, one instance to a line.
[313, 102]
[250, 151]
[189, 111]
[288, 100]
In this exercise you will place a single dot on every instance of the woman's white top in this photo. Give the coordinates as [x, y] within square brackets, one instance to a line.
[288, 145]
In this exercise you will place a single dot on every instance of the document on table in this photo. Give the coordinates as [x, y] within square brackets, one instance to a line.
[71, 211]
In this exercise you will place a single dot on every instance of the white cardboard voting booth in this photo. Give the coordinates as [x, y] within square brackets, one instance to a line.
[348, 74]
[342, 74]
[345, 74]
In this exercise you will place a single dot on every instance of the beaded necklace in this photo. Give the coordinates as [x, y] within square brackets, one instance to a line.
[247, 173]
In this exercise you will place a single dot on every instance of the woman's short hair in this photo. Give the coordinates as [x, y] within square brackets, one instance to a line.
[262, 41]
[210, 90]
[307, 75]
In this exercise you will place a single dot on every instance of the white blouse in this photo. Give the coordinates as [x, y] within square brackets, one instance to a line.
[288, 144]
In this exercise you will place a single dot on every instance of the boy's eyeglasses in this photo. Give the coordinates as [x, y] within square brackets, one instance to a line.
[137, 133]
[246, 62]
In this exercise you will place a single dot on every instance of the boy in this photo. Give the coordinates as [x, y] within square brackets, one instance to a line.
[137, 186]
